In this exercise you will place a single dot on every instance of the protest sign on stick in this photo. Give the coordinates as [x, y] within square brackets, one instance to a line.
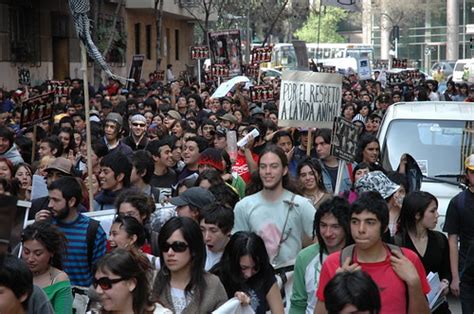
[309, 99]
[225, 48]
[344, 139]
[36, 110]
[135, 70]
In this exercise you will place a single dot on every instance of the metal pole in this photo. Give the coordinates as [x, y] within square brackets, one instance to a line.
[464, 29]
[88, 125]
[396, 47]
[247, 48]
[319, 30]
[199, 73]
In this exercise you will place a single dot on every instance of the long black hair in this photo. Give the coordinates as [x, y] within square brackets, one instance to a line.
[256, 184]
[365, 140]
[415, 203]
[242, 243]
[340, 209]
[316, 169]
[193, 236]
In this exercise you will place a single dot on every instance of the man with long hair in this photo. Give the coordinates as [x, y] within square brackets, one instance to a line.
[273, 210]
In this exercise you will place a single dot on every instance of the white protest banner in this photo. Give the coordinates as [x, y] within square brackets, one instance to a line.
[309, 99]
[365, 73]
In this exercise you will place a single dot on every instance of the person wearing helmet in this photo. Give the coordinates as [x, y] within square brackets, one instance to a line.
[112, 133]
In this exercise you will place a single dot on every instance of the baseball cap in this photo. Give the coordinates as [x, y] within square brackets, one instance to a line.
[256, 110]
[229, 117]
[61, 164]
[115, 117]
[469, 162]
[196, 196]
[376, 181]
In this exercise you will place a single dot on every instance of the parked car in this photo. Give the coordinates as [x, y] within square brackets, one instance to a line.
[438, 135]
[464, 71]
[447, 67]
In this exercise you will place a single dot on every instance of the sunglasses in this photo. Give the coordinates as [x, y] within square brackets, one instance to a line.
[105, 283]
[177, 246]
[139, 124]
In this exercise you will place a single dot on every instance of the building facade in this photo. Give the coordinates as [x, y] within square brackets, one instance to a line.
[39, 36]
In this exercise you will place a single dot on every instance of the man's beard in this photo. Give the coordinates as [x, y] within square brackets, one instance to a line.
[63, 213]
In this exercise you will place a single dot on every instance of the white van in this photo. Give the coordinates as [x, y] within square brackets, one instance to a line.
[459, 72]
[438, 135]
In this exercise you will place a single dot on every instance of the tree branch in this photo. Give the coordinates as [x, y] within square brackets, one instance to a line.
[114, 28]
[274, 22]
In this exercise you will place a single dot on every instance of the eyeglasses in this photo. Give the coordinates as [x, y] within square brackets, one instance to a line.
[139, 124]
[105, 283]
[177, 246]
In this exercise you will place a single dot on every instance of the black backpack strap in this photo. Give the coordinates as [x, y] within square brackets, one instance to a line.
[155, 249]
[91, 234]
[346, 252]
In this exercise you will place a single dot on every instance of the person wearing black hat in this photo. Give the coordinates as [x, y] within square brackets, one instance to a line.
[112, 130]
[192, 202]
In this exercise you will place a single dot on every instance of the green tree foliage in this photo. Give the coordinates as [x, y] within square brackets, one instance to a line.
[329, 21]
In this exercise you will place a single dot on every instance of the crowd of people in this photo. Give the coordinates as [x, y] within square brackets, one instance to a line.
[200, 221]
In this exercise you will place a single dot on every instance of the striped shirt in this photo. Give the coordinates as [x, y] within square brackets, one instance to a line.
[75, 262]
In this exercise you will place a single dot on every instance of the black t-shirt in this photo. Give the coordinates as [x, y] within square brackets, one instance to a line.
[460, 221]
[333, 174]
[164, 181]
[256, 288]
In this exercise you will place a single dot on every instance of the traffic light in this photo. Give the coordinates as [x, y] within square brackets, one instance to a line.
[471, 43]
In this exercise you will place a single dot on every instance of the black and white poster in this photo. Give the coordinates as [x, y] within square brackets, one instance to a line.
[135, 70]
[224, 48]
[37, 109]
[309, 99]
[345, 136]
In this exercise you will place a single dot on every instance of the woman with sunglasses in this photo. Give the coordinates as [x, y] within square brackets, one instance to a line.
[43, 244]
[182, 285]
[122, 285]
[246, 273]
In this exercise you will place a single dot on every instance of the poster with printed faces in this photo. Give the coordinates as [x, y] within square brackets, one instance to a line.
[36, 109]
[344, 139]
[261, 93]
[225, 48]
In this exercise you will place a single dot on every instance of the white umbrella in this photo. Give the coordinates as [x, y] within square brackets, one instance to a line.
[226, 87]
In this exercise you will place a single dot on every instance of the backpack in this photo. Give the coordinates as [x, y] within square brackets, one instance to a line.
[90, 239]
[348, 251]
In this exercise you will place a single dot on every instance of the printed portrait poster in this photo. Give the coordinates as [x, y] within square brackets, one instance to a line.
[37, 109]
[224, 48]
[135, 70]
[345, 137]
[309, 99]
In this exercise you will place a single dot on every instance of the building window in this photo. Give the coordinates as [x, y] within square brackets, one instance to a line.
[137, 38]
[148, 42]
[176, 47]
[24, 34]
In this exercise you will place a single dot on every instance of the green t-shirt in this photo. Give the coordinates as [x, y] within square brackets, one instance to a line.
[60, 296]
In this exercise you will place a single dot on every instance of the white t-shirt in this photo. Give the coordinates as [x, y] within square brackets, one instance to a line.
[267, 219]
[212, 259]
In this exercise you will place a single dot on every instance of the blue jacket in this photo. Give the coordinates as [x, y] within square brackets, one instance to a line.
[346, 182]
